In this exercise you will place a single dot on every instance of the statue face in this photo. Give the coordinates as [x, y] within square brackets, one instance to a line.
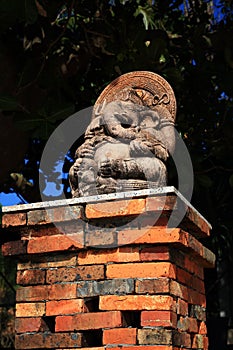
[122, 113]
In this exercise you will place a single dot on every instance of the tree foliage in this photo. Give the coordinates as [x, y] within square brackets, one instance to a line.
[57, 56]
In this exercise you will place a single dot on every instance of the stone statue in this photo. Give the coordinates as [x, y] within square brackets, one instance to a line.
[129, 138]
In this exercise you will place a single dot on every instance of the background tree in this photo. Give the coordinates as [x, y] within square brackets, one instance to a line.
[57, 56]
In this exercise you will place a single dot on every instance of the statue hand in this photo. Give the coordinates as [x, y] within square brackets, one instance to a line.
[141, 148]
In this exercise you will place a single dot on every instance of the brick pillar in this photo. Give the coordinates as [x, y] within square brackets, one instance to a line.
[109, 273]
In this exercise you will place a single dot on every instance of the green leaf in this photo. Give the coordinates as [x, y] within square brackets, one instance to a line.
[8, 103]
[147, 14]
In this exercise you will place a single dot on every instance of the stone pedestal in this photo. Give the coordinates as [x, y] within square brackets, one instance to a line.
[109, 272]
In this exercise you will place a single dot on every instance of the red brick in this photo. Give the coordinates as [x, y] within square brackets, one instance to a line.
[194, 221]
[120, 336]
[149, 235]
[156, 336]
[182, 307]
[178, 290]
[39, 231]
[181, 339]
[158, 319]
[14, 248]
[198, 312]
[72, 274]
[149, 219]
[198, 285]
[9, 220]
[191, 266]
[50, 215]
[33, 293]
[121, 254]
[30, 309]
[58, 260]
[45, 292]
[91, 320]
[188, 324]
[101, 238]
[196, 298]
[184, 277]
[152, 286]
[115, 208]
[48, 340]
[136, 302]
[67, 213]
[150, 269]
[65, 307]
[52, 244]
[28, 277]
[62, 291]
[155, 253]
[30, 324]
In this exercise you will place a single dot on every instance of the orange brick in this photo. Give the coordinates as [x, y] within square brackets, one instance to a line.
[202, 328]
[161, 203]
[30, 324]
[30, 309]
[120, 336]
[52, 243]
[91, 320]
[115, 208]
[159, 319]
[151, 235]
[150, 269]
[121, 254]
[198, 341]
[65, 307]
[147, 347]
[92, 348]
[18, 219]
[136, 302]
[28, 277]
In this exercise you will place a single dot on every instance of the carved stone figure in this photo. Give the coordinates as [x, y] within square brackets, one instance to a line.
[129, 138]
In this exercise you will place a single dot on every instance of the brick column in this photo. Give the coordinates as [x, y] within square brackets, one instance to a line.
[103, 272]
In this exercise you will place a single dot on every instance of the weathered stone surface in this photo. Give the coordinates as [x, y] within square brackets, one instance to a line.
[129, 139]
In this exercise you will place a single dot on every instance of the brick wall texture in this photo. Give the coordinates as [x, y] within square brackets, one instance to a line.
[108, 276]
